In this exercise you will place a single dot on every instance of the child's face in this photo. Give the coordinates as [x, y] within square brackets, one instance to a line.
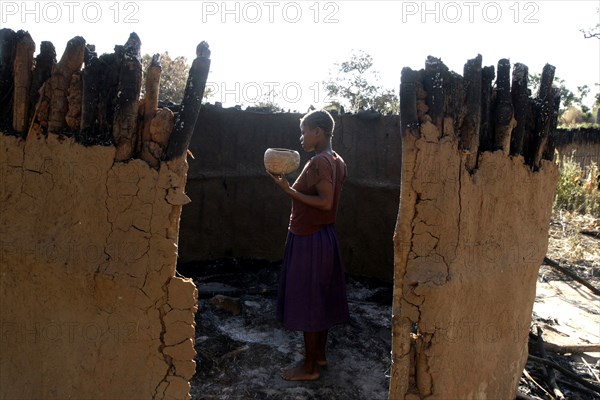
[308, 138]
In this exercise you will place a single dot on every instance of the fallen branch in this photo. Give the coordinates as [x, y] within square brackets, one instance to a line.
[549, 371]
[566, 372]
[594, 234]
[578, 388]
[594, 374]
[572, 275]
[572, 348]
[528, 376]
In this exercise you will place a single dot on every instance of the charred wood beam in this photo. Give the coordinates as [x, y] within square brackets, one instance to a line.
[486, 136]
[551, 377]
[44, 62]
[157, 124]
[572, 275]
[409, 120]
[60, 80]
[548, 153]
[127, 101]
[190, 107]
[434, 86]
[544, 109]
[91, 74]
[22, 72]
[455, 93]
[503, 108]
[520, 99]
[8, 41]
[566, 372]
[110, 68]
[471, 125]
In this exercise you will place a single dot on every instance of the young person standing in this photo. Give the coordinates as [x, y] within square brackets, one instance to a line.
[312, 289]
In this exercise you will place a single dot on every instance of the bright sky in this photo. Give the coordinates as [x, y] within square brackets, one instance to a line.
[290, 46]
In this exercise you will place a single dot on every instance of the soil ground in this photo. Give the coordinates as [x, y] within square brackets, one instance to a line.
[239, 355]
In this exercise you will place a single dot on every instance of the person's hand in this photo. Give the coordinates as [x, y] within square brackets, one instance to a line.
[281, 181]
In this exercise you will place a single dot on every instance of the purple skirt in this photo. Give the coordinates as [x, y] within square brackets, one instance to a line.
[312, 288]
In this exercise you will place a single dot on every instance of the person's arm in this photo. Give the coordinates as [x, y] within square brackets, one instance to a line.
[323, 200]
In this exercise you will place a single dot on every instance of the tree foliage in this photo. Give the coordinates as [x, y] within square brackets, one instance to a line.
[572, 109]
[355, 84]
[173, 77]
[592, 32]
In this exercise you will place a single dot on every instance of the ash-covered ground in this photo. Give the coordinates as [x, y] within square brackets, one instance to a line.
[240, 356]
[241, 348]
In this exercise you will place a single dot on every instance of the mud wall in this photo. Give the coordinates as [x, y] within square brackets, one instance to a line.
[237, 211]
[472, 229]
[583, 144]
[90, 305]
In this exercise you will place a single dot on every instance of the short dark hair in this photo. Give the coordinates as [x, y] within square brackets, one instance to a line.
[319, 119]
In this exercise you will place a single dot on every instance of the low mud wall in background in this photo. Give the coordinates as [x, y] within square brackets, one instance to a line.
[237, 211]
[583, 144]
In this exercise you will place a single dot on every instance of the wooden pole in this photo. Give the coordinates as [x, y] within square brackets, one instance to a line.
[434, 86]
[486, 136]
[44, 62]
[503, 108]
[179, 140]
[7, 50]
[520, 99]
[472, 110]
[60, 79]
[544, 113]
[127, 101]
[22, 70]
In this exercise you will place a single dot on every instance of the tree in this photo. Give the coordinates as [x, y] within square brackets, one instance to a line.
[592, 32]
[267, 103]
[173, 77]
[572, 109]
[354, 84]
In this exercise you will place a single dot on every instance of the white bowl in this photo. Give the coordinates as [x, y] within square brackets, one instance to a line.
[281, 161]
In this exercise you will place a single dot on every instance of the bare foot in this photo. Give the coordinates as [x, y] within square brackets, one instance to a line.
[299, 374]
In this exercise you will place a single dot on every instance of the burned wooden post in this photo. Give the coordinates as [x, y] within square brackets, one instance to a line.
[472, 111]
[44, 62]
[7, 50]
[22, 67]
[110, 67]
[150, 100]
[194, 92]
[74, 97]
[486, 140]
[463, 289]
[520, 99]
[90, 76]
[503, 108]
[157, 123]
[408, 109]
[434, 87]
[126, 105]
[60, 80]
[544, 107]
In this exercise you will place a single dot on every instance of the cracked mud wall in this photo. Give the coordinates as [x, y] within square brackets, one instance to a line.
[470, 238]
[90, 307]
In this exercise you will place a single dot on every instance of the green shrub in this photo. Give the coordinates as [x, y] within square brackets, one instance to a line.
[577, 188]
